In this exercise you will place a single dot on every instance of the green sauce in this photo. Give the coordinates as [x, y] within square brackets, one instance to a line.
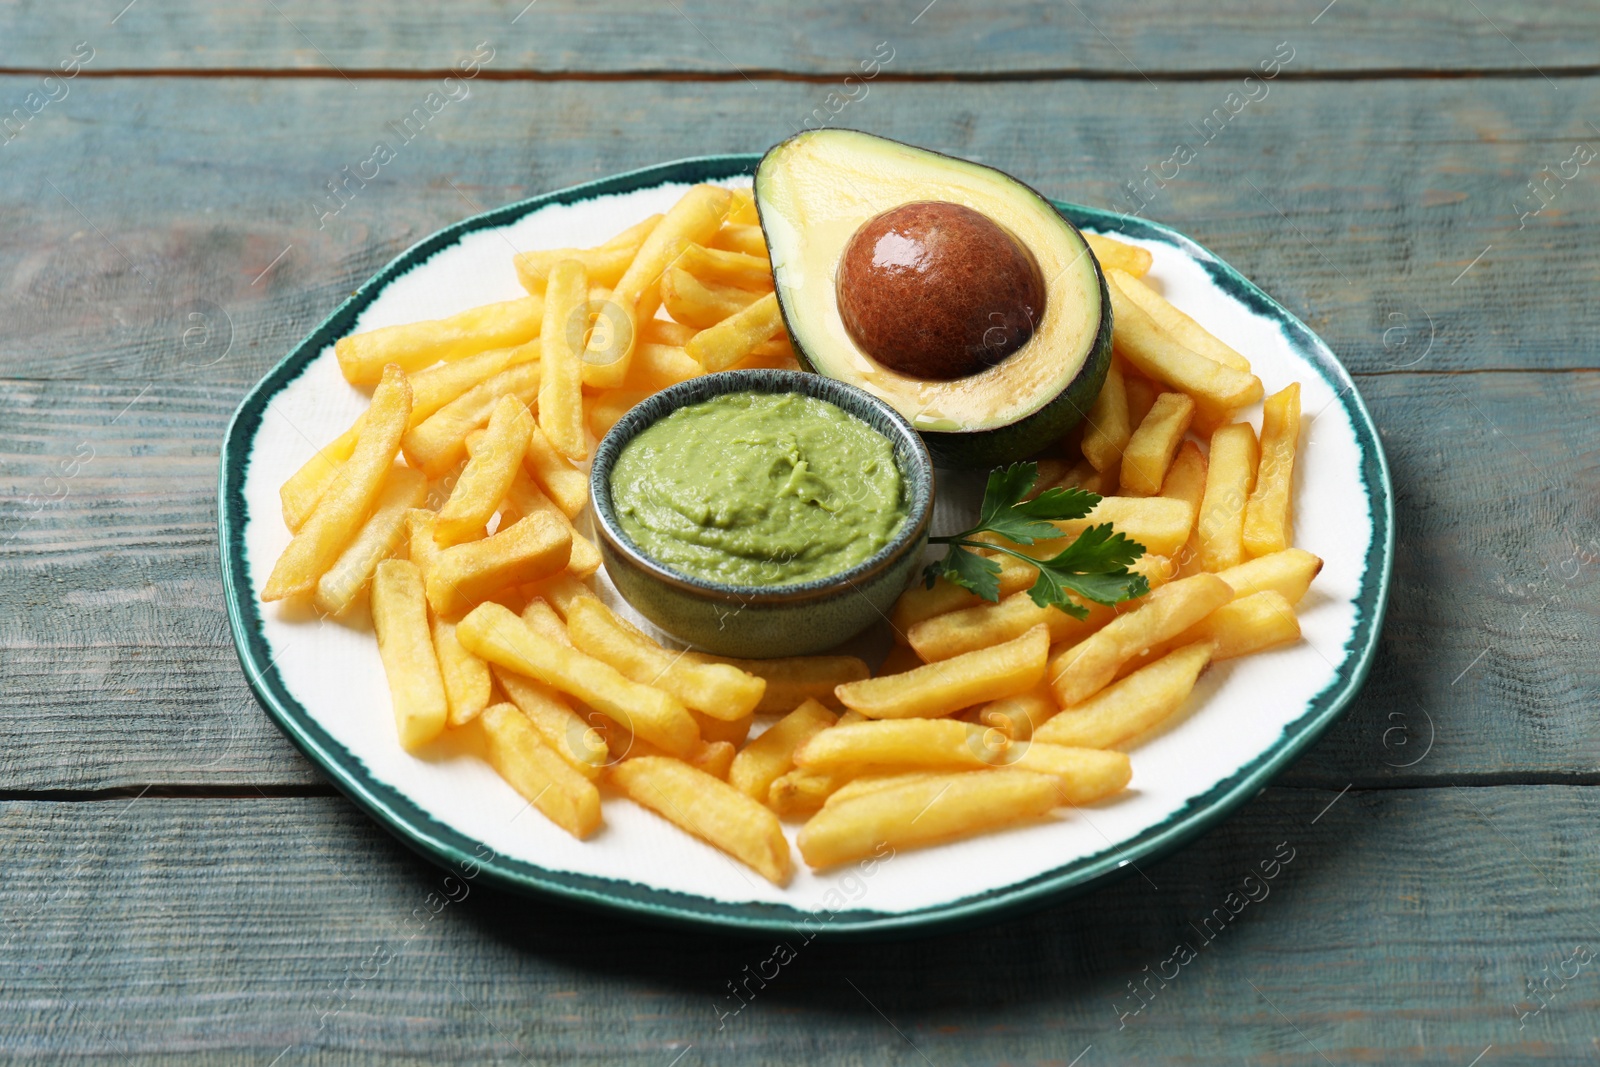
[759, 489]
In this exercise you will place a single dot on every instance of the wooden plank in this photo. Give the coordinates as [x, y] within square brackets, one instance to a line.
[1397, 926]
[815, 37]
[110, 599]
[209, 256]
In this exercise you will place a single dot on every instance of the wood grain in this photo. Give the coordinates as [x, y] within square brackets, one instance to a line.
[114, 642]
[1404, 927]
[1383, 213]
[811, 38]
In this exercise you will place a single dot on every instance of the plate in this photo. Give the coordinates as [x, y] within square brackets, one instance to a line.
[322, 681]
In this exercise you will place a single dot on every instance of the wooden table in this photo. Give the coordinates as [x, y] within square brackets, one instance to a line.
[180, 884]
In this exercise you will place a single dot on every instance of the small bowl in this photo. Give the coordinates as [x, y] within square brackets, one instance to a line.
[755, 621]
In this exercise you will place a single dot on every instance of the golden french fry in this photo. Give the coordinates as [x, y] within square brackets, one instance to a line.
[1084, 476]
[733, 338]
[742, 208]
[901, 658]
[924, 811]
[1288, 573]
[1106, 429]
[634, 235]
[299, 495]
[800, 792]
[1186, 476]
[1083, 775]
[655, 367]
[733, 731]
[666, 332]
[746, 238]
[1142, 393]
[417, 345]
[922, 601]
[770, 756]
[563, 729]
[533, 547]
[343, 508]
[1267, 515]
[793, 680]
[1131, 706]
[1151, 448]
[1157, 355]
[1119, 254]
[564, 483]
[876, 783]
[519, 755]
[699, 304]
[466, 677]
[561, 591]
[715, 758]
[692, 220]
[495, 633]
[1018, 716]
[543, 619]
[708, 808]
[727, 268]
[1184, 330]
[379, 536]
[1230, 475]
[604, 266]
[1158, 523]
[906, 743]
[561, 359]
[1247, 625]
[939, 688]
[438, 442]
[1082, 670]
[488, 474]
[714, 689]
[400, 619]
[526, 498]
[611, 405]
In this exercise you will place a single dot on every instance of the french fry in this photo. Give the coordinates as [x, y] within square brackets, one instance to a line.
[1018, 716]
[1106, 426]
[1267, 515]
[604, 266]
[1184, 330]
[561, 591]
[543, 619]
[733, 338]
[905, 743]
[733, 731]
[715, 758]
[793, 680]
[1083, 775]
[1119, 254]
[958, 682]
[526, 498]
[519, 755]
[438, 442]
[343, 508]
[924, 811]
[922, 601]
[1151, 448]
[493, 632]
[742, 208]
[714, 689]
[1082, 670]
[377, 540]
[1230, 475]
[666, 332]
[1051, 471]
[702, 305]
[770, 756]
[710, 809]
[300, 493]
[417, 345]
[466, 677]
[656, 367]
[745, 238]
[1186, 477]
[488, 474]
[563, 482]
[800, 792]
[607, 408]
[986, 624]
[727, 268]
[1158, 356]
[1084, 476]
[692, 220]
[634, 235]
[865, 784]
[901, 658]
[400, 618]
[1243, 627]
[561, 358]
[563, 729]
[1142, 393]
[531, 548]
[1132, 706]
[1158, 523]
[1288, 573]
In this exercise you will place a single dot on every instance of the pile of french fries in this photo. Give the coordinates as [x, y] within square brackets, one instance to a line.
[447, 513]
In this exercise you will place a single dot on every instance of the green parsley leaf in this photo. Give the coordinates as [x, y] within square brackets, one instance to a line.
[970, 571]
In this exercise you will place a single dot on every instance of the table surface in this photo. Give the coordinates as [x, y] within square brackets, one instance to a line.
[1415, 183]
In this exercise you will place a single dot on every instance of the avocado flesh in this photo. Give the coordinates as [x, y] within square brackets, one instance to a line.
[815, 190]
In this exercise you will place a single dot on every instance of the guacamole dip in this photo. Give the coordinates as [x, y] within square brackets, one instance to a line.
[759, 489]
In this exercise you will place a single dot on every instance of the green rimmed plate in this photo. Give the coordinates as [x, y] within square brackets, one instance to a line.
[322, 683]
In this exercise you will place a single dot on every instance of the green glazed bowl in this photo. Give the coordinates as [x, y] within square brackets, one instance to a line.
[762, 621]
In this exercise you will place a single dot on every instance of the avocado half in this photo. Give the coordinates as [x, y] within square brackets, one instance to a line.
[815, 190]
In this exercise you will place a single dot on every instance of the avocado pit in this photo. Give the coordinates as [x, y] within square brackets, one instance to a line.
[936, 290]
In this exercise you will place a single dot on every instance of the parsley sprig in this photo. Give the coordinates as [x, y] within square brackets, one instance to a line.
[1094, 566]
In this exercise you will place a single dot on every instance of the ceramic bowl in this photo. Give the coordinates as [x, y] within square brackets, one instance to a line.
[762, 621]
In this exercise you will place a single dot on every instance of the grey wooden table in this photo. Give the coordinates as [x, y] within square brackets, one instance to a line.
[1417, 182]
